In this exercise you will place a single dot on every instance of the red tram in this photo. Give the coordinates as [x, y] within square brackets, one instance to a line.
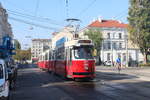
[71, 59]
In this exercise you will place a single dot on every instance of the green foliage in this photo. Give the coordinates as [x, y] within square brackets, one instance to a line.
[17, 44]
[144, 65]
[96, 36]
[139, 24]
[22, 55]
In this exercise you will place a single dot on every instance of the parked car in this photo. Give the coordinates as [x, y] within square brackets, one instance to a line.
[4, 82]
[107, 63]
[12, 71]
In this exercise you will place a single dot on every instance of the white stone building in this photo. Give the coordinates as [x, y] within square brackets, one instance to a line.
[115, 42]
[39, 46]
[5, 27]
[66, 32]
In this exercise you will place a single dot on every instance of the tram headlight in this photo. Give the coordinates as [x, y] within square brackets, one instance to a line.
[86, 65]
[86, 68]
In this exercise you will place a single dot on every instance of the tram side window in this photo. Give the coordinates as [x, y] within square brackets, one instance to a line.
[40, 58]
[53, 55]
[43, 58]
[60, 54]
[57, 55]
[63, 54]
[49, 56]
[46, 56]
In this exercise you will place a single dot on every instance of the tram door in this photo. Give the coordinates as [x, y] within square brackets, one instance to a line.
[68, 61]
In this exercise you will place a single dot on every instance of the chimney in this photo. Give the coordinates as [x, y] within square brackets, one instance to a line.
[120, 22]
[100, 19]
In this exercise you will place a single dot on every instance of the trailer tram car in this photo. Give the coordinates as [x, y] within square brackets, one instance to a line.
[43, 62]
[70, 59]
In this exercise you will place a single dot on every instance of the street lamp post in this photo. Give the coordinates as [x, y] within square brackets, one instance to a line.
[111, 51]
[126, 42]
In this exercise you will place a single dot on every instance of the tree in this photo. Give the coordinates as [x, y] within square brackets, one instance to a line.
[22, 55]
[17, 56]
[139, 24]
[17, 44]
[96, 36]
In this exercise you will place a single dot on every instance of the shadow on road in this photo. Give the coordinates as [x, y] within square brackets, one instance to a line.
[109, 76]
[24, 66]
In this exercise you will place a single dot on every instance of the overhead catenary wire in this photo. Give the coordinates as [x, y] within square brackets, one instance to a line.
[31, 23]
[32, 17]
[85, 9]
[121, 14]
[120, 17]
[14, 5]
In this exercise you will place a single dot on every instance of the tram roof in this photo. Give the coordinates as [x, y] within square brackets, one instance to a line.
[78, 42]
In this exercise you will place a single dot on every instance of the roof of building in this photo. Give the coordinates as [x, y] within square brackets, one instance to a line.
[42, 40]
[108, 23]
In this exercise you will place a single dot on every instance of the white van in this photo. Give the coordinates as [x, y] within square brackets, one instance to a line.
[4, 83]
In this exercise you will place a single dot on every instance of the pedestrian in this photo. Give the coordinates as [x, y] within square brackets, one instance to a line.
[118, 64]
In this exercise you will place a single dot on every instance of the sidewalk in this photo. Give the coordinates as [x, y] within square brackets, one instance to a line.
[143, 73]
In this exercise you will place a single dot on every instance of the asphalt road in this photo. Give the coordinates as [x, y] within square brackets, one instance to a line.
[35, 84]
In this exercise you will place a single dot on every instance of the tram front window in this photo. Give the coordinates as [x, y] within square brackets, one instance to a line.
[83, 53]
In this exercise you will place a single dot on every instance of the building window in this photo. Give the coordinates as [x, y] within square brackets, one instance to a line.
[120, 45]
[108, 56]
[114, 45]
[104, 46]
[109, 45]
[120, 36]
[130, 57]
[114, 35]
[108, 35]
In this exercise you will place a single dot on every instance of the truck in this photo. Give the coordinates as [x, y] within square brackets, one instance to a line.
[6, 52]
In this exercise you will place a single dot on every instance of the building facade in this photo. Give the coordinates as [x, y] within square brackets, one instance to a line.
[115, 42]
[67, 33]
[5, 27]
[39, 46]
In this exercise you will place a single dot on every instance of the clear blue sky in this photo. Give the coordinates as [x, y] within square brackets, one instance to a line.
[86, 10]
